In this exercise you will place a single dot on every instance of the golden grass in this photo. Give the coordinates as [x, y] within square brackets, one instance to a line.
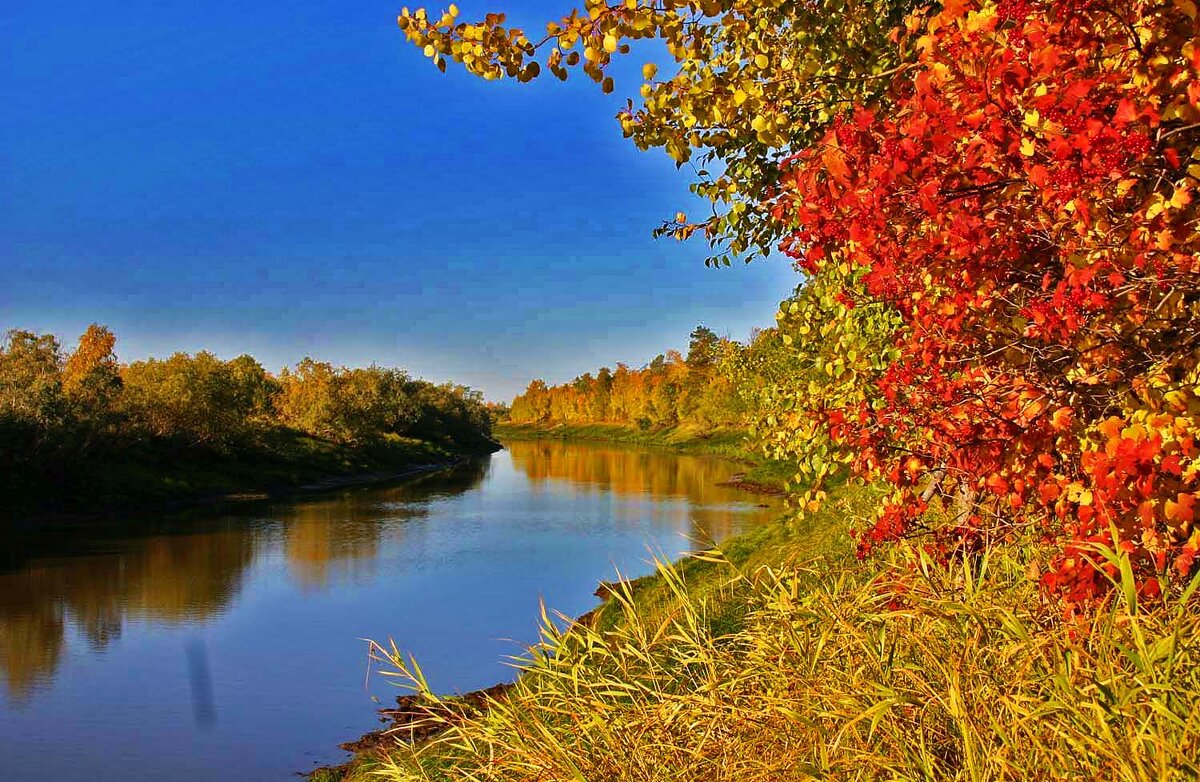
[908, 671]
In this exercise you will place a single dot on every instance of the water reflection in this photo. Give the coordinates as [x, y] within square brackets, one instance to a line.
[104, 579]
[642, 478]
[337, 540]
[174, 580]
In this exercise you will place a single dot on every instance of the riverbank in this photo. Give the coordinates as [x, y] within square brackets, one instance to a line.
[679, 439]
[278, 463]
[783, 657]
[648, 596]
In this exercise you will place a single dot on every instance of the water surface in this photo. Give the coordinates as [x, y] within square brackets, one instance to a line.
[227, 643]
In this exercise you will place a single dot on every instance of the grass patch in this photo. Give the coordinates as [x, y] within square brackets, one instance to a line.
[816, 543]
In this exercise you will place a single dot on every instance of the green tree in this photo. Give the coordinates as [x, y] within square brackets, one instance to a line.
[31, 381]
[193, 400]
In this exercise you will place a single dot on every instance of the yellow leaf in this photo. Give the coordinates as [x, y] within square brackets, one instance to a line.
[1181, 197]
[1157, 205]
[1028, 147]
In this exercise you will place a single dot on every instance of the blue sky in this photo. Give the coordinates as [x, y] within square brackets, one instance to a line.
[292, 179]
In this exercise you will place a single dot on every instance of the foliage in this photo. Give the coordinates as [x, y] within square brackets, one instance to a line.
[994, 204]
[753, 81]
[198, 400]
[31, 394]
[671, 390]
[347, 405]
[823, 348]
[90, 375]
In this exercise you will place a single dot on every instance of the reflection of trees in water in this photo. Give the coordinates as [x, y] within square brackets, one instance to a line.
[187, 578]
[170, 579]
[31, 639]
[339, 538]
[625, 471]
[437, 485]
[333, 540]
[714, 511]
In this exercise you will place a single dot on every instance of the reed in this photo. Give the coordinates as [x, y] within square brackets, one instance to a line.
[895, 670]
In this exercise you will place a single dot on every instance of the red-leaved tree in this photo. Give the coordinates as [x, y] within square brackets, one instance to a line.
[1025, 203]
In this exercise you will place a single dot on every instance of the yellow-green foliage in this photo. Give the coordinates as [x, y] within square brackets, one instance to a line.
[906, 672]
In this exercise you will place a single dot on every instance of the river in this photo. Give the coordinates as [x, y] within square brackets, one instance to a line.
[228, 643]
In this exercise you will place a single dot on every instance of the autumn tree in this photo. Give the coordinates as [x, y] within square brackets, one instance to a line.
[532, 406]
[91, 382]
[53, 408]
[669, 391]
[368, 404]
[1025, 205]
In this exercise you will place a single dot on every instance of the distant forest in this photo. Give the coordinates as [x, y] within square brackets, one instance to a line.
[717, 384]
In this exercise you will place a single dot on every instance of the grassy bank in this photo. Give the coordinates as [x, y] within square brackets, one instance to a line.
[783, 658]
[279, 460]
[685, 439]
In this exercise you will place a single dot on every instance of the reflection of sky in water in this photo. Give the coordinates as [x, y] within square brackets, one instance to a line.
[228, 644]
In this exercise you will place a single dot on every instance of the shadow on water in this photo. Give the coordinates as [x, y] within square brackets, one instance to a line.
[185, 569]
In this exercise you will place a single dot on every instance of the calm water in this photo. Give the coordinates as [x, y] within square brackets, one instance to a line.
[227, 645]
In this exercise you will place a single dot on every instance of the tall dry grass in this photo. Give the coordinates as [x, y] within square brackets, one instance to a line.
[861, 674]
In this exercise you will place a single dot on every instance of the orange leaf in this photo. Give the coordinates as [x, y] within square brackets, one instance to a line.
[835, 164]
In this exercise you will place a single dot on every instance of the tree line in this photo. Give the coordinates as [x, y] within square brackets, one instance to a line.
[58, 406]
[671, 390]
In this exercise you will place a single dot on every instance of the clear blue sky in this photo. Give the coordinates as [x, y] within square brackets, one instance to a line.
[292, 178]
